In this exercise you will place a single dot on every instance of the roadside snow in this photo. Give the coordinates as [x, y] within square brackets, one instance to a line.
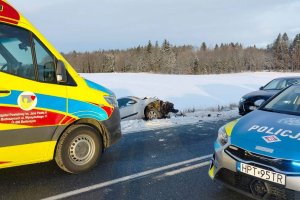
[197, 117]
[187, 92]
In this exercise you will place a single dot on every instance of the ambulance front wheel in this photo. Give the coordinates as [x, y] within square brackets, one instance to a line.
[79, 149]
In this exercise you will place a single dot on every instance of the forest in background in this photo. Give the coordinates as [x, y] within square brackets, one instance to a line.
[282, 55]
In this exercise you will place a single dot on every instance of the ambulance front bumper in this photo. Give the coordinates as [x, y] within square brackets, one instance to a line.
[113, 128]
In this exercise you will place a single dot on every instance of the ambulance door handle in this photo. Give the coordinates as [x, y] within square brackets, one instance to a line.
[4, 93]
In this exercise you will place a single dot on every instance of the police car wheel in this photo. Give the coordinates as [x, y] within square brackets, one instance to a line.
[78, 149]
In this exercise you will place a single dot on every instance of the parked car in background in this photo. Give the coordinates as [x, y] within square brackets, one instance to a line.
[146, 108]
[247, 102]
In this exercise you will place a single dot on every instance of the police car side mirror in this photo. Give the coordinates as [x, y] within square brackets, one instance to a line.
[61, 72]
[261, 88]
[258, 103]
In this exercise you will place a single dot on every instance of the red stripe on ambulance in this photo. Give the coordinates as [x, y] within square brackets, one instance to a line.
[108, 110]
[68, 120]
[35, 117]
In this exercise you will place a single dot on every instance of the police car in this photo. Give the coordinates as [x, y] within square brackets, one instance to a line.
[258, 154]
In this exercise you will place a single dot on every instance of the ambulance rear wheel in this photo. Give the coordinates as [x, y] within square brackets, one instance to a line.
[79, 149]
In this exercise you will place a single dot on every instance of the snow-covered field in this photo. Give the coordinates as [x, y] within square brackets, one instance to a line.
[185, 91]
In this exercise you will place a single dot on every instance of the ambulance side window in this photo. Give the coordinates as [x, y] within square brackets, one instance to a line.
[15, 49]
[45, 63]
[2, 61]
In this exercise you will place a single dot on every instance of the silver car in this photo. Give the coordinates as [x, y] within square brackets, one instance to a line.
[147, 108]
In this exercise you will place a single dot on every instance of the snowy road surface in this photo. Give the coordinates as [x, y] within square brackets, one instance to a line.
[169, 163]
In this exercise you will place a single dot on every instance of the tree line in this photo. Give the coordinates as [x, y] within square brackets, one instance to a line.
[282, 55]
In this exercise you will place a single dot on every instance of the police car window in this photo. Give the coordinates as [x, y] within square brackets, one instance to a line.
[286, 102]
[45, 62]
[15, 49]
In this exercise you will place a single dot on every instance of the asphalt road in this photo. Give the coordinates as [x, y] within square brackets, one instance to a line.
[163, 164]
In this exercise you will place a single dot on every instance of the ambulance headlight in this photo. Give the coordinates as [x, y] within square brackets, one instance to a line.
[222, 136]
[112, 100]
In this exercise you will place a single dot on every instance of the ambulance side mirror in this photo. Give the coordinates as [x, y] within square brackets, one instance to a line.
[61, 72]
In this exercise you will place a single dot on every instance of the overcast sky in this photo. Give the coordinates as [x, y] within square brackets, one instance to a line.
[111, 24]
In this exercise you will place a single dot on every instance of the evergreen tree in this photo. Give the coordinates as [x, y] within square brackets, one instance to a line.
[296, 55]
[156, 45]
[149, 47]
[216, 47]
[293, 45]
[138, 49]
[166, 46]
[167, 58]
[285, 37]
[203, 46]
[278, 53]
[277, 42]
[285, 51]
[196, 66]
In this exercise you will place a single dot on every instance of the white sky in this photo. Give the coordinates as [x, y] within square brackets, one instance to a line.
[111, 24]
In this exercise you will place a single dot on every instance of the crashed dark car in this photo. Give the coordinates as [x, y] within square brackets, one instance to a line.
[247, 102]
[147, 108]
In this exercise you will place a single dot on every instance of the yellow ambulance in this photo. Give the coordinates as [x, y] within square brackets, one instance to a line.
[47, 111]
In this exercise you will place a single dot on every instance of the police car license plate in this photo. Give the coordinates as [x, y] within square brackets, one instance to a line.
[261, 173]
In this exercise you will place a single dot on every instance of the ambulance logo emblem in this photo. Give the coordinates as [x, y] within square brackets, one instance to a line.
[27, 101]
[271, 139]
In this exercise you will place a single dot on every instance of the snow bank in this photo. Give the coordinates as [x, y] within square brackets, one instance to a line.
[190, 118]
[186, 91]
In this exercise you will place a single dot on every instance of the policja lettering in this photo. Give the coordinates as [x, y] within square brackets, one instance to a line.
[274, 131]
